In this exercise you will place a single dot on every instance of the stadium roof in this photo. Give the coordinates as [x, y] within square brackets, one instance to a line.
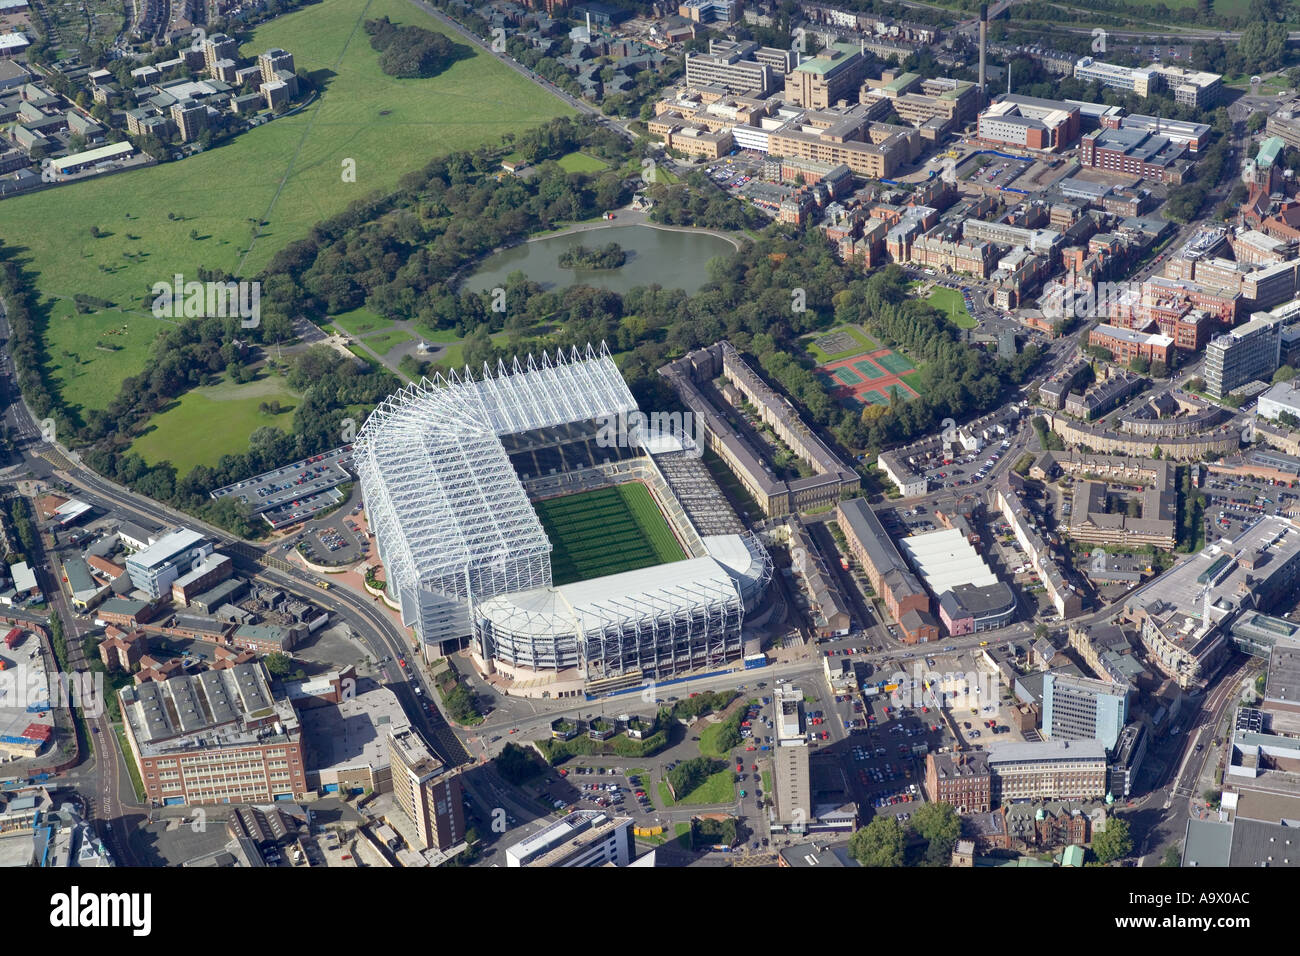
[589, 606]
[946, 559]
[435, 472]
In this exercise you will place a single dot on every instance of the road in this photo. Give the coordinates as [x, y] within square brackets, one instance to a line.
[106, 783]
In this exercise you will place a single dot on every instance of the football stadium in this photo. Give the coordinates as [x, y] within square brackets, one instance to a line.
[534, 513]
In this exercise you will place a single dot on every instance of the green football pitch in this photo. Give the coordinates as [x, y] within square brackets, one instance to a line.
[606, 531]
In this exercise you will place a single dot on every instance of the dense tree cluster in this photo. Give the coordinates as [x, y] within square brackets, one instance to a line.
[879, 843]
[1185, 201]
[699, 202]
[398, 255]
[1260, 13]
[26, 344]
[330, 384]
[957, 381]
[409, 52]
[609, 256]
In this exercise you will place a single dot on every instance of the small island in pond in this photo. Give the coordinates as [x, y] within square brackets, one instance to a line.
[580, 257]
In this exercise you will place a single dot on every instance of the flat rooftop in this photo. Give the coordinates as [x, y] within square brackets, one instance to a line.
[353, 733]
[1283, 682]
[1279, 539]
[945, 559]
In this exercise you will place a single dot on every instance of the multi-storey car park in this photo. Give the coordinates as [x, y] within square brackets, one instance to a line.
[450, 471]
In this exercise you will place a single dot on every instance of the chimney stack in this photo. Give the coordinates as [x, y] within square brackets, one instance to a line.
[984, 40]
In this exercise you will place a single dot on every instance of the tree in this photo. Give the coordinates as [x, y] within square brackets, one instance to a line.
[1114, 842]
[277, 664]
[1284, 374]
[940, 826]
[1172, 857]
[879, 843]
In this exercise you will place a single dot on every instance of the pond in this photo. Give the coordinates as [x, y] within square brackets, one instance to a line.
[674, 260]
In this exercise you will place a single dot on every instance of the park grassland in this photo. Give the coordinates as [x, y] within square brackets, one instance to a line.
[224, 415]
[953, 305]
[235, 206]
[581, 163]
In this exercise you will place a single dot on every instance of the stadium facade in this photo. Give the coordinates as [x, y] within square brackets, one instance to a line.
[448, 470]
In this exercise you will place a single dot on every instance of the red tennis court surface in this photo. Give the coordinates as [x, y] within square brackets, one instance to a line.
[866, 379]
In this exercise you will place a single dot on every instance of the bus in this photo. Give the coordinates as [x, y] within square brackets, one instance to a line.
[984, 643]
[324, 584]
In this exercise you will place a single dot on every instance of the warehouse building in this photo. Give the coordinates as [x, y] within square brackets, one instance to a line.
[79, 162]
[969, 594]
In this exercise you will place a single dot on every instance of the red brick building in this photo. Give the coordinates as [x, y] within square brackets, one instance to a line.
[1128, 344]
[962, 780]
[122, 650]
[216, 737]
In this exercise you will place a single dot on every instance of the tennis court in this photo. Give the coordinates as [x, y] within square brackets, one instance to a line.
[868, 377]
[868, 369]
[894, 363]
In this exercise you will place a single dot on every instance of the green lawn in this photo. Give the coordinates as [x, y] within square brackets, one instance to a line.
[709, 740]
[681, 833]
[286, 174]
[581, 163]
[385, 342]
[90, 355]
[360, 321]
[454, 355]
[1271, 86]
[224, 415]
[952, 304]
[718, 788]
[606, 531]
[862, 343]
